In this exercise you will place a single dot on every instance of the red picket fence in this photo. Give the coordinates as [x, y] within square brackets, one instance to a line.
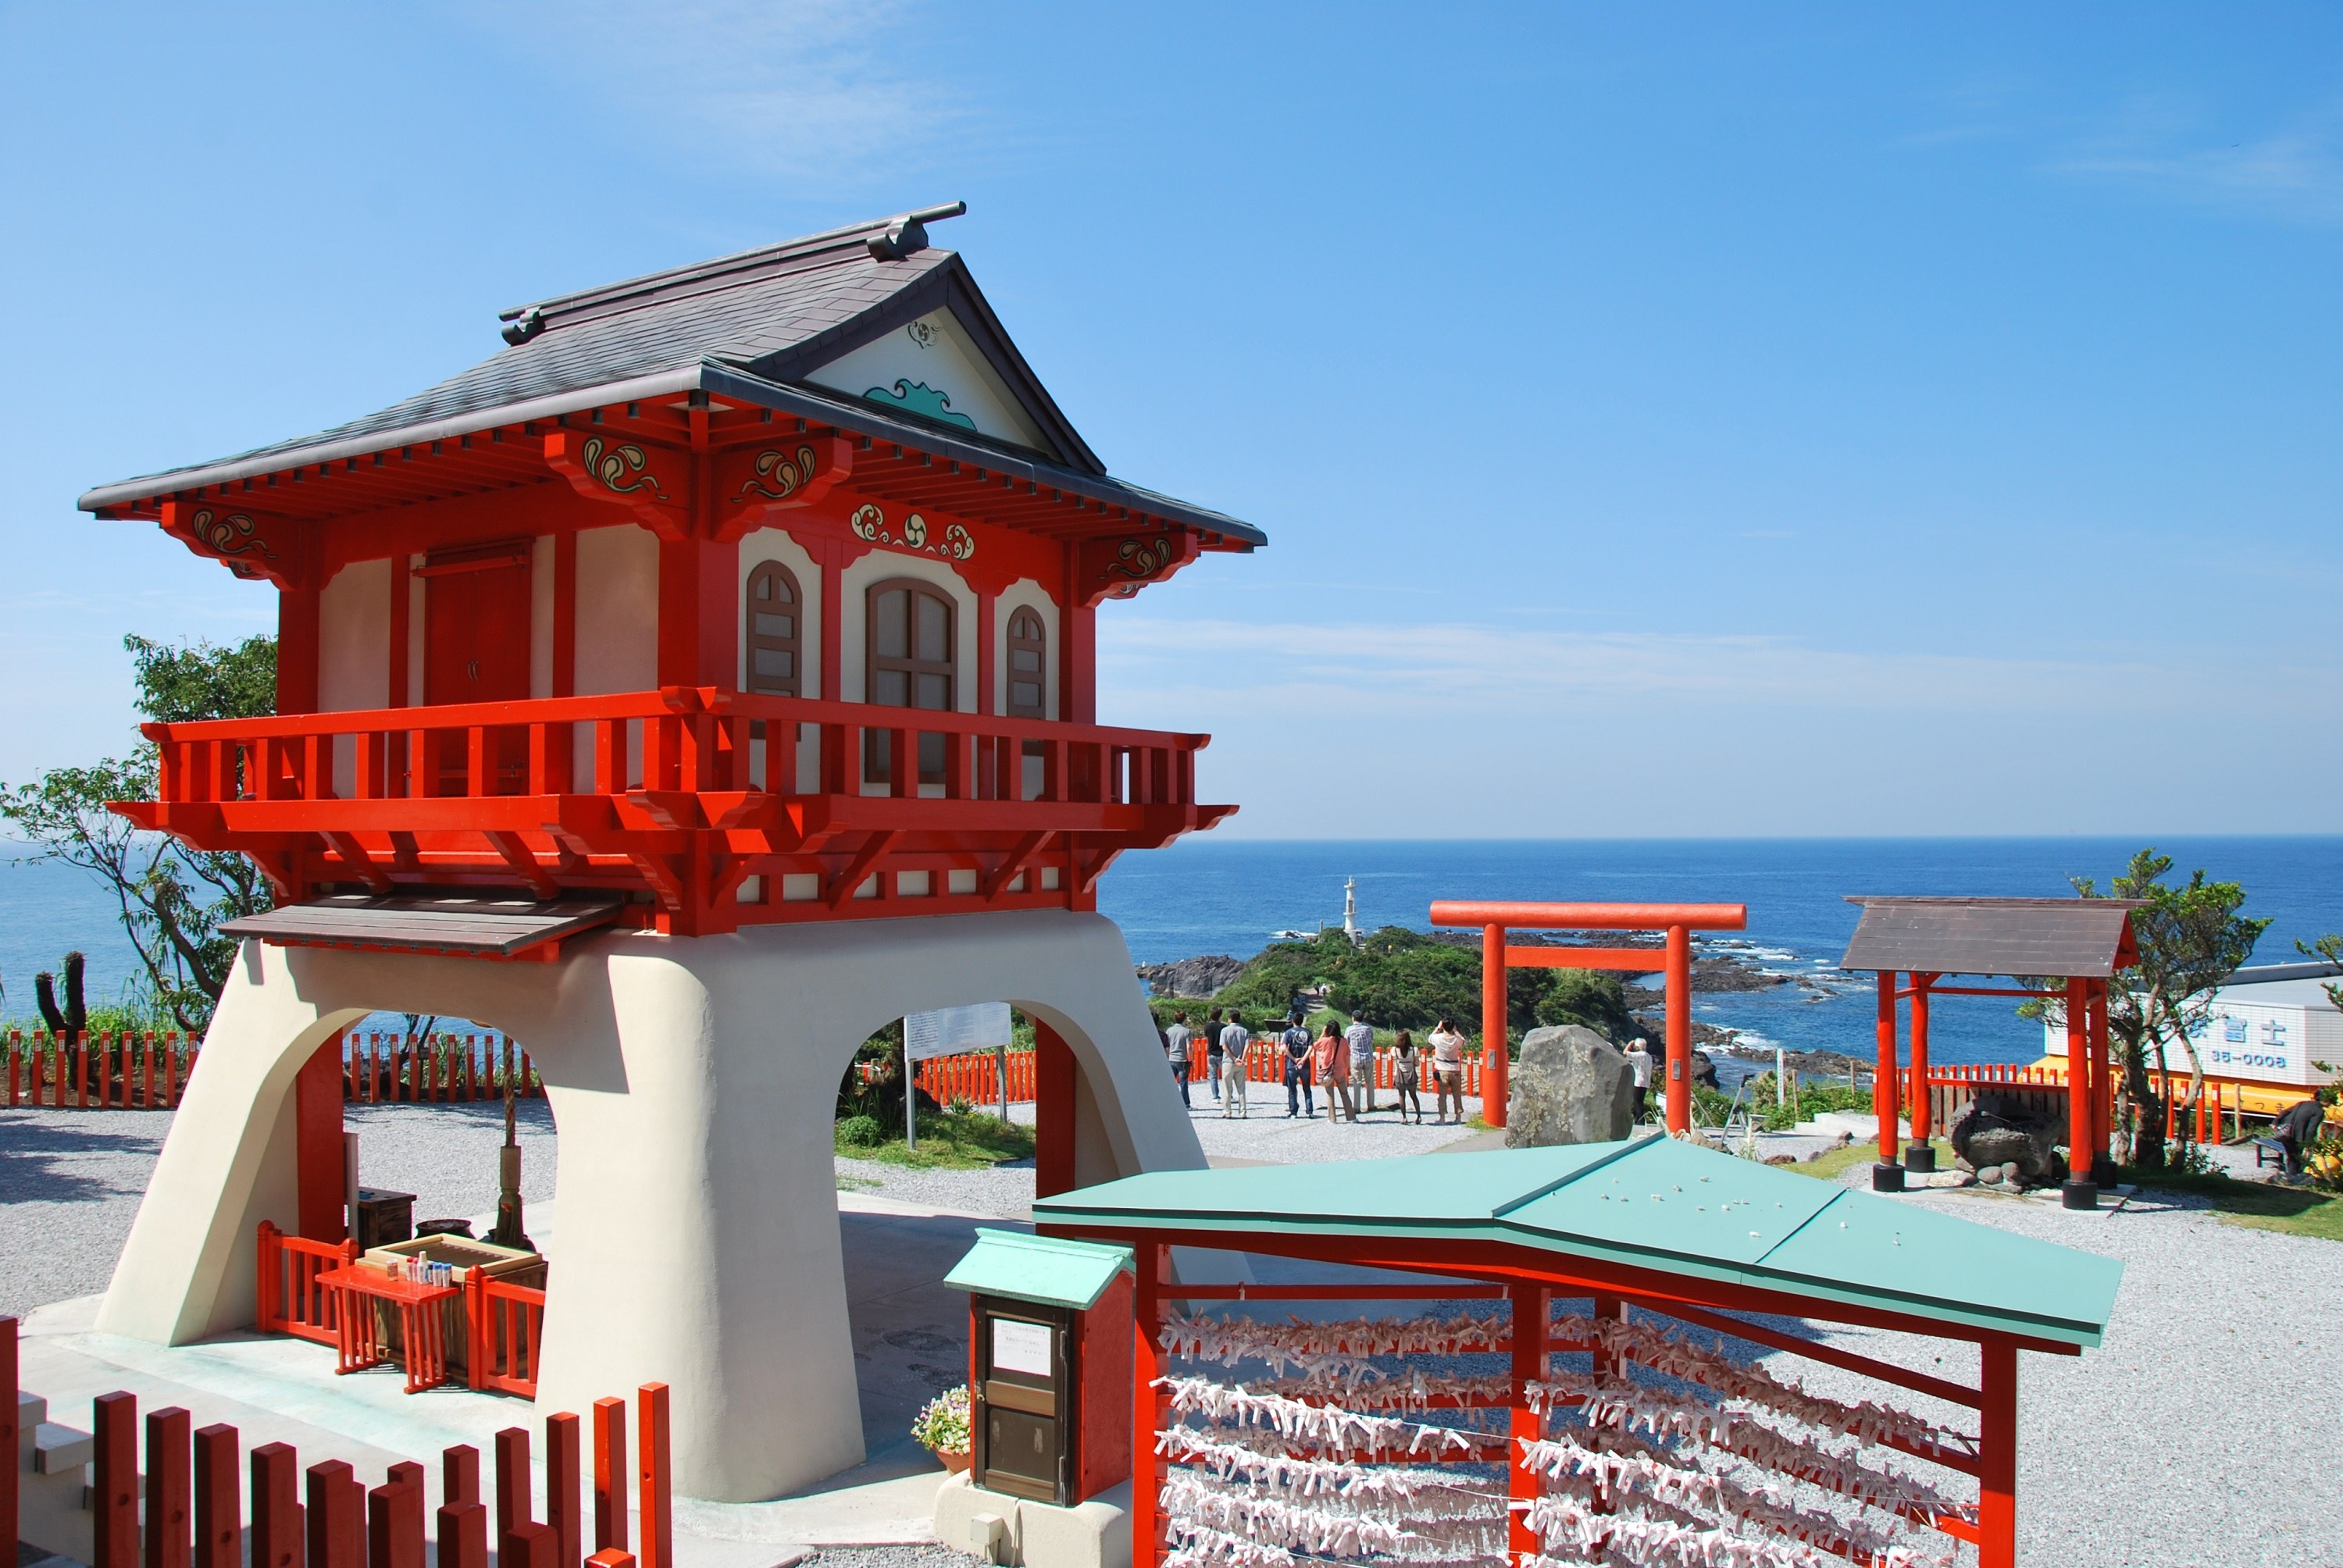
[291, 1300]
[508, 1328]
[380, 1068]
[98, 1071]
[975, 1078]
[193, 1515]
[1955, 1084]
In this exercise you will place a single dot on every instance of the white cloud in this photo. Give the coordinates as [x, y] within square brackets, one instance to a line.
[822, 88]
[2295, 174]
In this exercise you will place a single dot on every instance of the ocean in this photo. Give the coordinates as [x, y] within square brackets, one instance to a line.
[1201, 896]
[1208, 896]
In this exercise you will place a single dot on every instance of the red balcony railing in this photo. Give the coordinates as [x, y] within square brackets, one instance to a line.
[687, 791]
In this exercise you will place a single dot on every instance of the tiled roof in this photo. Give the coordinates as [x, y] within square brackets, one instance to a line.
[2088, 938]
[774, 313]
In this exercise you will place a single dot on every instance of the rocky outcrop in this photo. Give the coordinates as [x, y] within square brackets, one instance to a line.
[1570, 1086]
[1194, 979]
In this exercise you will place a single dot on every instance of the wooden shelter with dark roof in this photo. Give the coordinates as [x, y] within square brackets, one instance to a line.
[621, 612]
[2080, 943]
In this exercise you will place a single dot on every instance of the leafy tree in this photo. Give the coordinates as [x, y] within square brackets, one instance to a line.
[1399, 977]
[1591, 997]
[2191, 937]
[172, 899]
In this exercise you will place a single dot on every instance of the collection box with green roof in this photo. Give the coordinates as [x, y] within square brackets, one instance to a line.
[1049, 1362]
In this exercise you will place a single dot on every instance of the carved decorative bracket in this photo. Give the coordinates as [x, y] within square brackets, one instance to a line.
[653, 482]
[1118, 568]
[251, 544]
[784, 474]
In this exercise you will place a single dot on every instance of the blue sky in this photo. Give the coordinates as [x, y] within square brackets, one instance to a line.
[1803, 420]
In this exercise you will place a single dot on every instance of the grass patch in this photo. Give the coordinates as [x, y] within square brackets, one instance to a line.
[1832, 1163]
[949, 1141]
[2258, 1205]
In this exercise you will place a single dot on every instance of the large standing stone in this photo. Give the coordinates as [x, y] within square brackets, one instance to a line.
[1571, 1086]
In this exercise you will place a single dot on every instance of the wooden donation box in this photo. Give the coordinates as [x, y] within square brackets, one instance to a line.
[1049, 1349]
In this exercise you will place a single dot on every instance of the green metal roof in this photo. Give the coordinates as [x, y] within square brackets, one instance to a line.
[1650, 1204]
[1044, 1268]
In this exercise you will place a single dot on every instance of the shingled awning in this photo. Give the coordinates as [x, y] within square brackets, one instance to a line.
[457, 926]
[2083, 939]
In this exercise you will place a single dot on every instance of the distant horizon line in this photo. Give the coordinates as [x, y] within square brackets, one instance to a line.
[2144, 839]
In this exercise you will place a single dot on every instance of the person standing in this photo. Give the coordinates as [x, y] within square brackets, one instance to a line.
[1639, 1058]
[1294, 1044]
[1236, 1047]
[1360, 1038]
[1176, 1038]
[1447, 1071]
[1212, 1028]
[1333, 1059]
[1405, 1071]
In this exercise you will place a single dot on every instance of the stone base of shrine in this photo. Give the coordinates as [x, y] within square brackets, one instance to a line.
[1019, 1533]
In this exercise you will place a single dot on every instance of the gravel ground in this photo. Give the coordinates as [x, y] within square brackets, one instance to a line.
[929, 1556]
[70, 1181]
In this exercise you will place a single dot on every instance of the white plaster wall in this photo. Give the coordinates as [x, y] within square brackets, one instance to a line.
[775, 545]
[353, 654]
[935, 352]
[618, 628]
[699, 1239]
[1024, 594]
[853, 612]
[541, 617]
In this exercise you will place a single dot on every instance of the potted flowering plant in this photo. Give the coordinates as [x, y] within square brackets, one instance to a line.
[943, 1428]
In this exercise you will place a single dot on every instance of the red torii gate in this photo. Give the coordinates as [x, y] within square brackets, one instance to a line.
[2080, 942]
[1675, 922]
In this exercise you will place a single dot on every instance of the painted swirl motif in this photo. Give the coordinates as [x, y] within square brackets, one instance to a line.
[870, 525]
[779, 474]
[231, 534]
[622, 468]
[1138, 560]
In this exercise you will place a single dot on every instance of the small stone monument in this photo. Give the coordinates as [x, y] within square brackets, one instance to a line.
[1571, 1086]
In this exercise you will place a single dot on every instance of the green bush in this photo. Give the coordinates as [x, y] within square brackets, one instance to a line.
[861, 1132]
[1585, 997]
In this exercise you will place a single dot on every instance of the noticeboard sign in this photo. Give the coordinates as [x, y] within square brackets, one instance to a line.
[956, 1031]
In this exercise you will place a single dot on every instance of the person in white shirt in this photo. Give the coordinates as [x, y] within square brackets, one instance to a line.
[1639, 1058]
[1447, 1071]
[1236, 1043]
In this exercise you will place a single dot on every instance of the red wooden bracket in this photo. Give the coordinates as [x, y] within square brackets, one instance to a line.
[251, 543]
[653, 482]
[786, 473]
[1119, 566]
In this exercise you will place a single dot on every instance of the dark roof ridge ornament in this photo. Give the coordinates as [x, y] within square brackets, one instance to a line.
[523, 326]
[908, 235]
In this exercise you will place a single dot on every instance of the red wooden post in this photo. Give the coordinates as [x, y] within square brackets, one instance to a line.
[1524, 1425]
[146, 1066]
[275, 1506]
[319, 1192]
[654, 1480]
[2103, 1098]
[1148, 1469]
[169, 1502]
[464, 1534]
[336, 1516]
[114, 1525]
[2078, 1193]
[1053, 1132]
[459, 1474]
[612, 1557]
[512, 1477]
[527, 1546]
[1883, 1072]
[1678, 1019]
[561, 1502]
[395, 1525]
[1924, 1156]
[15, 1052]
[1495, 1073]
[609, 1474]
[1997, 1457]
[219, 1514]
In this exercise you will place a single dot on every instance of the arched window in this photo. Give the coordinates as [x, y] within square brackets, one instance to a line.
[912, 664]
[774, 625]
[1028, 661]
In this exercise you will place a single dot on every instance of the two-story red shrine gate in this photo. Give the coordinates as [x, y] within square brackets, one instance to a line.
[609, 610]
[723, 612]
